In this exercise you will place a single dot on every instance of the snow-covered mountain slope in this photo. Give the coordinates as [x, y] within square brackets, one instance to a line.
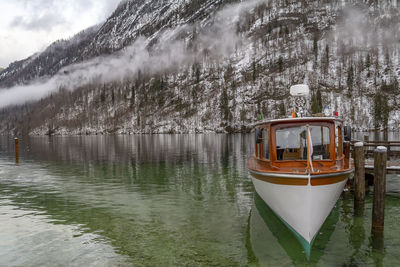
[130, 20]
[148, 19]
[47, 63]
[205, 66]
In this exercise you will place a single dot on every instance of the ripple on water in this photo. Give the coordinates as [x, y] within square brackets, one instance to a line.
[157, 201]
[28, 238]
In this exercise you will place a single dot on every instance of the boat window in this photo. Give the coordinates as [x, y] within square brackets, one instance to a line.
[320, 142]
[262, 143]
[266, 144]
[259, 142]
[291, 143]
[338, 141]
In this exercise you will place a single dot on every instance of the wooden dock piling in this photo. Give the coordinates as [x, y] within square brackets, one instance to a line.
[366, 140]
[359, 175]
[346, 152]
[378, 209]
[16, 150]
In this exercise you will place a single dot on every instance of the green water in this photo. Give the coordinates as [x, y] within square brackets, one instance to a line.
[163, 200]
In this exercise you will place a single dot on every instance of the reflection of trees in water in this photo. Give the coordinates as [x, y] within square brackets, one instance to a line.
[181, 195]
[212, 148]
[367, 248]
[354, 250]
[212, 163]
[357, 234]
[150, 242]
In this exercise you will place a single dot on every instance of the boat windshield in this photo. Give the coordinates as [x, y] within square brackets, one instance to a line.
[291, 143]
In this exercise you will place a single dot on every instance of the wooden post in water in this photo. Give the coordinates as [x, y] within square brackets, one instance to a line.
[378, 209]
[346, 152]
[16, 150]
[366, 140]
[359, 175]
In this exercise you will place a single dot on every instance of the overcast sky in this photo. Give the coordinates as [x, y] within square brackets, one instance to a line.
[29, 26]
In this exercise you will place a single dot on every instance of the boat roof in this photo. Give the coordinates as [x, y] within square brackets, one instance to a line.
[299, 119]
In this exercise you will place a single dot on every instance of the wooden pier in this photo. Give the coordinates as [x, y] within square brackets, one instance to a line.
[392, 167]
[393, 155]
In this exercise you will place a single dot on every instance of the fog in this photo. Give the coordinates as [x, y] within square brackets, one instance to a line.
[219, 39]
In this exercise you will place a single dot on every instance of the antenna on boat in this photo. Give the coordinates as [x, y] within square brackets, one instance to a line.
[299, 93]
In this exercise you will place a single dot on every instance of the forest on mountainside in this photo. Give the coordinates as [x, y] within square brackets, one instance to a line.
[215, 68]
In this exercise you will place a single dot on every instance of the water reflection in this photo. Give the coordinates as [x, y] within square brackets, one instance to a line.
[269, 236]
[343, 240]
[182, 200]
[162, 200]
[357, 235]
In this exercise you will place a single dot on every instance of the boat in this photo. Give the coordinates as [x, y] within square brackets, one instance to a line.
[299, 167]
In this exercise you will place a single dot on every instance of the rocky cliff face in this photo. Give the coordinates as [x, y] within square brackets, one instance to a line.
[206, 66]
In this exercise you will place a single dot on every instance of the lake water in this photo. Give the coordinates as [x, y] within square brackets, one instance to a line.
[163, 200]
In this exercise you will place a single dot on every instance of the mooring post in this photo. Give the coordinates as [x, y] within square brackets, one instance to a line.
[359, 175]
[16, 149]
[346, 152]
[366, 140]
[378, 209]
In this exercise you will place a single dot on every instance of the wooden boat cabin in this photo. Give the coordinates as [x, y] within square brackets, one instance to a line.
[281, 146]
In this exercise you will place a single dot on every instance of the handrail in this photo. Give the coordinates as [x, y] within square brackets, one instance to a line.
[373, 143]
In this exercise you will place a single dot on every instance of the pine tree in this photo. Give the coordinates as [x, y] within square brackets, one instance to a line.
[315, 44]
[280, 64]
[103, 95]
[327, 54]
[254, 67]
[224, 106]
[316, 102]
[132, 96]
[282, 110]
[377, 110]
[197, 75]
[325, 63]
[350, 78]
[385, 112]
[368, 62]
[319, 101]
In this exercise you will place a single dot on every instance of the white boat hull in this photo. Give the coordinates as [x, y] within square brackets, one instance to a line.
[303, 208]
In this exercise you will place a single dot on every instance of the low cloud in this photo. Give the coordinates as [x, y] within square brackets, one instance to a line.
[219, 40]
[20, 94]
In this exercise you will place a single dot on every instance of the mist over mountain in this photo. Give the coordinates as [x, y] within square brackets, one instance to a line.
[209, 66]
